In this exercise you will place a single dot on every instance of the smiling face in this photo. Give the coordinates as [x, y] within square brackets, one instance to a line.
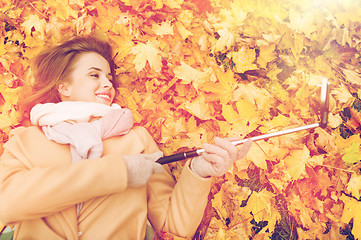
[90, 80]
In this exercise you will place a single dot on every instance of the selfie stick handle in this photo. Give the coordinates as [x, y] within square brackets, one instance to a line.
[194, 153]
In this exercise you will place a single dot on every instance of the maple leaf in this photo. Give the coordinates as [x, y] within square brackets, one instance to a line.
[243, 59]
[352, 76]
[64, 10]
[259, 205]
[183, 31]
[189, 74]
[342, 94]
[244, 119]
[225, 41]
[33, 21]
[198, 108]
[352, 210]
[267, 54]
[302, 22]
[258, 156]
[296, 161]
[352, 154]
[148, 52]
[354, 185]
[165, 28]
[224, 88]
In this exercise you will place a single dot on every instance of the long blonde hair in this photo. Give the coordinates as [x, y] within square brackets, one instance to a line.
[54, 65]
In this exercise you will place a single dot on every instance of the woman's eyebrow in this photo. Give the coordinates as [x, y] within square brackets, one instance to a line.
[95, 68]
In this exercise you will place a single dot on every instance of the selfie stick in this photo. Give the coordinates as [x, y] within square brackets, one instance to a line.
[323, 123]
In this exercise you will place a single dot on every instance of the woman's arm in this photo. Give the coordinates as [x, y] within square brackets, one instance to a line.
[29, 190]
[177, 208]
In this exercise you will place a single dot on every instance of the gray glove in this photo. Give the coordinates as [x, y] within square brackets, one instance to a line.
[141, 167]
[217, 159]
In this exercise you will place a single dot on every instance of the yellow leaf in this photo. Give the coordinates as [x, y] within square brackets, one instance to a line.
[183, 31]
[267, 54]
[352, 76]
[189, 74]
[148, 52]
[248, 112]
[259, 204]
[64, 10]
[218, 205]
[343, 95]
[260, 97]
[165, 28]
[354, 185]
[175, 4]
[280, 121]
[224, 88]
[234, 16]
[244, 59]
[198, 108]
[352, 210]
[296, 161]
[302, 22]
[33, 21]
[225, 41]
[257, 156]
[244, 120]
[2, 46]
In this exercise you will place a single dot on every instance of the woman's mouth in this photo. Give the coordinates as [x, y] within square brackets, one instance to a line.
[103, 96]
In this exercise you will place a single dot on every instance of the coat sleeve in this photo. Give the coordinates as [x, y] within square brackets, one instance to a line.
[29, 192]
[176, 208]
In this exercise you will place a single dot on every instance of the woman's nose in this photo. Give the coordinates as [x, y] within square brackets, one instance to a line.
[106, 82]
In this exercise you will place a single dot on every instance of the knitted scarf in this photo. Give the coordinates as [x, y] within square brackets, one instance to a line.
[82, 125]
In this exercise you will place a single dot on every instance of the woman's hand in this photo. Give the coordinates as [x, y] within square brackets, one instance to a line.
[141, 167]
[217, 159]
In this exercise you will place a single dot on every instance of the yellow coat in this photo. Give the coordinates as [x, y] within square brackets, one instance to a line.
[40, 187]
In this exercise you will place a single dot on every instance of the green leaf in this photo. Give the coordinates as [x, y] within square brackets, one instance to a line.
[352, 153]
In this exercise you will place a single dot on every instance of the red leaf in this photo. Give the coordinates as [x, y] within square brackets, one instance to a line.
[17, 68]
[203, 5]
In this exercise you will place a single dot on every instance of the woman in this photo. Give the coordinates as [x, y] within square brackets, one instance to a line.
[83, 171]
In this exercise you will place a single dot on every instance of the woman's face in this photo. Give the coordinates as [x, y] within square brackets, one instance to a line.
[90, 80]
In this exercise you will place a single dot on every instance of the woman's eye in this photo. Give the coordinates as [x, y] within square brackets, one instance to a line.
[95, 75]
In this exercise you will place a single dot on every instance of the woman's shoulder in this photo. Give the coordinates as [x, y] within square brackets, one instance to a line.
[31, 132]
[25, 130]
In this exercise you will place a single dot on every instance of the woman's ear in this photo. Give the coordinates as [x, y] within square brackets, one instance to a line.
[64, 89]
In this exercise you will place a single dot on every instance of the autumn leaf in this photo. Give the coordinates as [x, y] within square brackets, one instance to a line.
[165, 28]
[147, 52]
[189, 74]
[259, 205]
[354, 185]
[258, 156]
[352, 210]
[295, 163]
[225, 41]
[33, 21]
[243, 59]
[198, 108]
[352, 154]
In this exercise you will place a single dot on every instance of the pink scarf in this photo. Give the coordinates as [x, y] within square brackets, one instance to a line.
[83, 125]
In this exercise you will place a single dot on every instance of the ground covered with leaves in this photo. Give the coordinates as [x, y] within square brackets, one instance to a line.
[195, 69]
